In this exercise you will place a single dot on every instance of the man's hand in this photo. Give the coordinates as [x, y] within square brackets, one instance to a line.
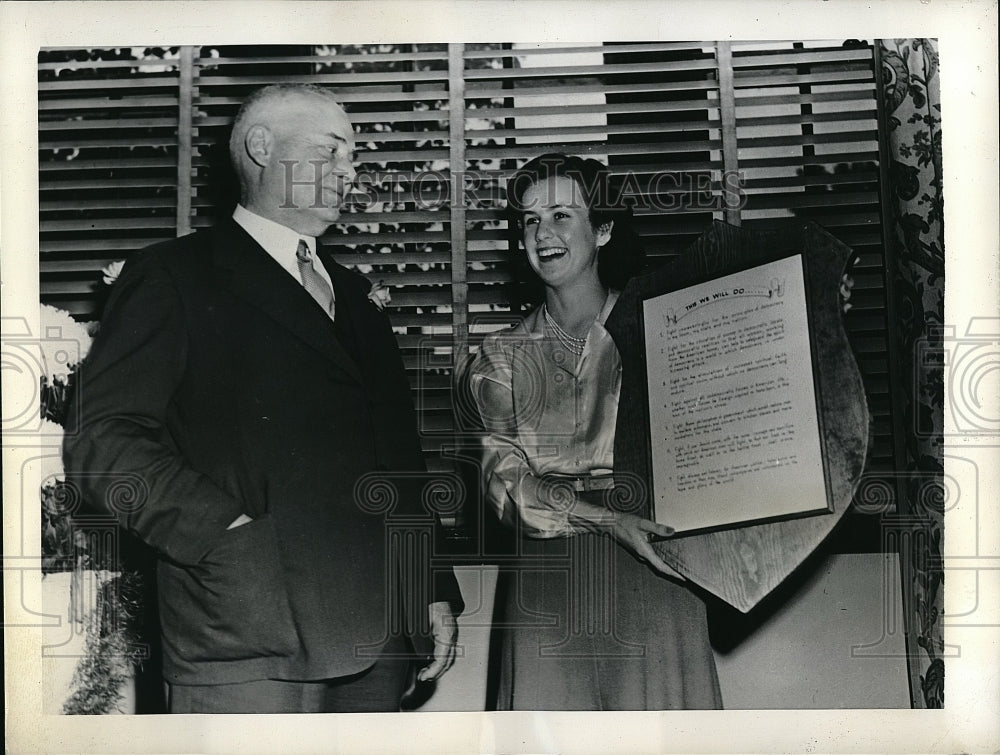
[444, 630]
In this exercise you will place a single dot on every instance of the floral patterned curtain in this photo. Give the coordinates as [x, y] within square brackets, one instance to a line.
[912, 108]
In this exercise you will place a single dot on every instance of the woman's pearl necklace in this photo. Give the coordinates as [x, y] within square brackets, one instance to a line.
[571, 342]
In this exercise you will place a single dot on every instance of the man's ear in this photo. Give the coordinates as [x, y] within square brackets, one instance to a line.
[258, 144]
[604, 233]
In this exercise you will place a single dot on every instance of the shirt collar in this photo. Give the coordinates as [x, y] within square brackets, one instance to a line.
[534, 323]
[609, 304]
[277, 240]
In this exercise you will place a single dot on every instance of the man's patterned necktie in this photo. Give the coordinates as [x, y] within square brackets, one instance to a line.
[313, 282]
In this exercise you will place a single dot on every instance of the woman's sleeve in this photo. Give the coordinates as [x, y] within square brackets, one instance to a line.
[520, 499]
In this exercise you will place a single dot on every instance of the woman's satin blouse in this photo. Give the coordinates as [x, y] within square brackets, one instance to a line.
[545, 411]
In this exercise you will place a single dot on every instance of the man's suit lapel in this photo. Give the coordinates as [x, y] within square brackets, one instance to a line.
[376, 346]
[353, 313]
[251, 274]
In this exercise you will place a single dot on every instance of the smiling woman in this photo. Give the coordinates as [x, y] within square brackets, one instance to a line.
[627, 635]
[557, 201]
[561, 242]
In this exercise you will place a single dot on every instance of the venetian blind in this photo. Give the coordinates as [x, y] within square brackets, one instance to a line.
[753, 134]
[108, 162]
[132, 151]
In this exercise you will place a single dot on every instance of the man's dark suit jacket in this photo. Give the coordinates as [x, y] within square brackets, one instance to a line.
[217, 387]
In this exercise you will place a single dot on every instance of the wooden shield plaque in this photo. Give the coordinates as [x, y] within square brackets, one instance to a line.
[742, 564]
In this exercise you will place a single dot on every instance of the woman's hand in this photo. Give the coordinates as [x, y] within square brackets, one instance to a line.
[634, 533]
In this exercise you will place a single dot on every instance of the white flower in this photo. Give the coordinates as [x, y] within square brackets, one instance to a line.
[52, 466]
[64, 342]
[379, 295]
[112, 271]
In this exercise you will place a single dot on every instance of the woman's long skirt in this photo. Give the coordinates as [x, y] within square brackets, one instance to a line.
[585, 626]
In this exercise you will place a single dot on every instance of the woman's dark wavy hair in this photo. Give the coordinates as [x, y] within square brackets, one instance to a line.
[618, 260]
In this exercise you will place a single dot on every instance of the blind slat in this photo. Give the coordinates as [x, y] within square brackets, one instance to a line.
[615, 49]
[750, 99]
[601, 148]
[96, 225]
[591, 110]
[98, 245]
[166, 140]
[113, 203]
[106, 103]
[76, 66]
[828, 179]
[799, 57]
[796, 161]
[132, 82]
[585, 86]
[352, 78]
[109, 182]
[107, 123]
[851, 137]
[390, 57]
[608, 69]
[596, 130]
[407, 237]
[132, 163]
[745, 79]
[810, 199]
[347, 96]
[425, 216]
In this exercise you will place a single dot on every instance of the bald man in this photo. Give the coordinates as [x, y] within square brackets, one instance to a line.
[246, 393]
